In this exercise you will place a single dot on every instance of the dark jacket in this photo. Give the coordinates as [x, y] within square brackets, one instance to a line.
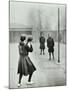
[28, 49]
[22, 50]
[50, 44]
[42, 42]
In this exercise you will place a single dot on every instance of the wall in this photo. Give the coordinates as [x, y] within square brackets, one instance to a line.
[14, 36]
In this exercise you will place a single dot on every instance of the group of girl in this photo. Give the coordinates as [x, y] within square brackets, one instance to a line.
[25, 65]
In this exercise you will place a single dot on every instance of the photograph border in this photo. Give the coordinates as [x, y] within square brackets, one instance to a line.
[65, 43]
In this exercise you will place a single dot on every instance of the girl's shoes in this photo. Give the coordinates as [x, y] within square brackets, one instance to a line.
[29, 83]
[19, 84]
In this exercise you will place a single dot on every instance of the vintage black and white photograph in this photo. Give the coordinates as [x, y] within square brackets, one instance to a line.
[37, 44]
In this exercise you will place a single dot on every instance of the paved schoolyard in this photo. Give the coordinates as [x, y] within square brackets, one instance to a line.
[48, 73]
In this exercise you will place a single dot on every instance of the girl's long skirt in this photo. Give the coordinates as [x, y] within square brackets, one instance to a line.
[25, 66]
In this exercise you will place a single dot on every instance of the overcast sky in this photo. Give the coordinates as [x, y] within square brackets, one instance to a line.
[28, 14]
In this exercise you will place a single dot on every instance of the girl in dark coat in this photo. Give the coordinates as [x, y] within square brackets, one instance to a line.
[21, 64]
[50, 45]
[42, 44]
[25, 66]
[30, 65]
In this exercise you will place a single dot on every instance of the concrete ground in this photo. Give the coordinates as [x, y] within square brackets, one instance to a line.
[48, 73]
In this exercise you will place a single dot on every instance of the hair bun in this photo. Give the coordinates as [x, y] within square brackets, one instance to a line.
[29, 39]
[23, 37]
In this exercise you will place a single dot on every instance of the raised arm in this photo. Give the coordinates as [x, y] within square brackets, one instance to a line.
[29, 49]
